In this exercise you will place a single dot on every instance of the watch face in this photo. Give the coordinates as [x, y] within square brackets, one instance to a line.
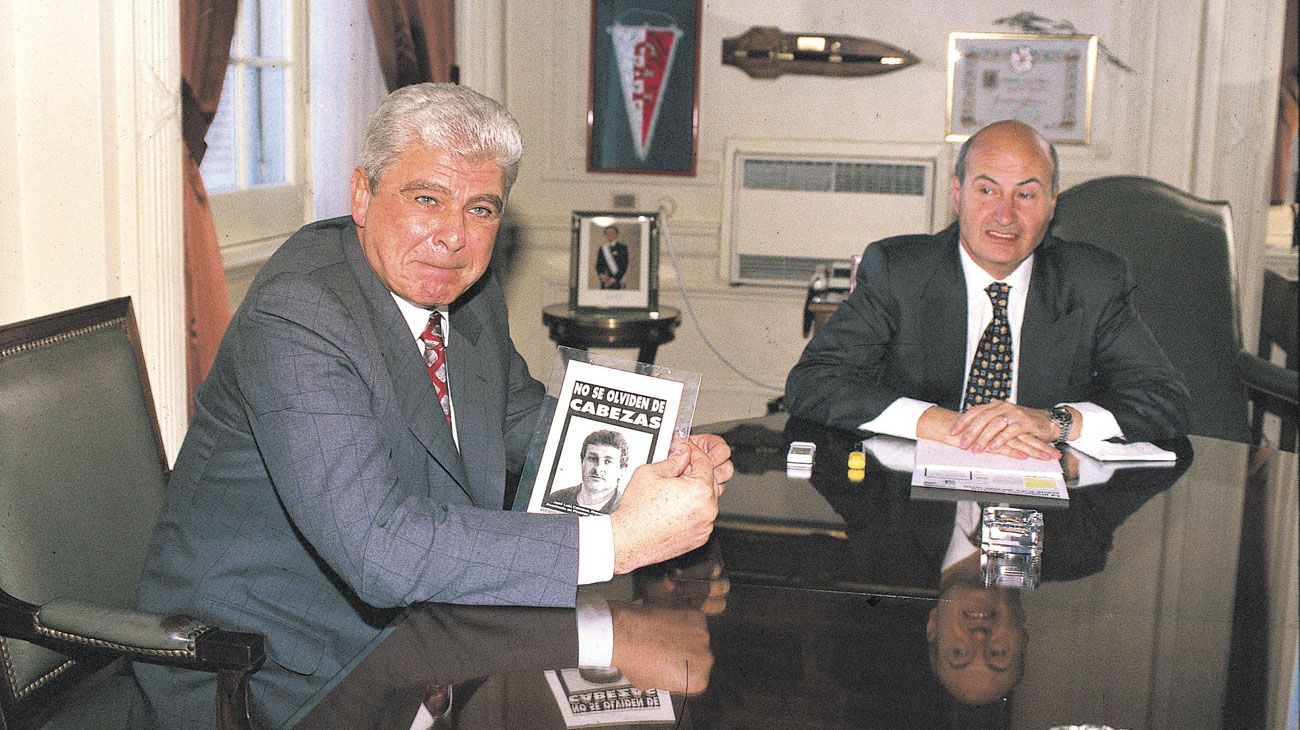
[1064, 419]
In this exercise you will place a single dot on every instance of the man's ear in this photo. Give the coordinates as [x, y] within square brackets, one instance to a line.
[360, 196]
[956, 193]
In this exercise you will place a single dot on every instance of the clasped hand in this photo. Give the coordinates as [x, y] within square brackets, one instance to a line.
[998, 427]
[669, 506]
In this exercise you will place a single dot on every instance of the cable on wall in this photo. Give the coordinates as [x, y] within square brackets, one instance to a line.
[666, 208]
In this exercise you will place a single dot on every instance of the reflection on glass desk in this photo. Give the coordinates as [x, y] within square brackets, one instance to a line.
[1167, 600]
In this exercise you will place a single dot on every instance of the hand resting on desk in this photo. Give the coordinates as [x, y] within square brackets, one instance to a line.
[999, 427]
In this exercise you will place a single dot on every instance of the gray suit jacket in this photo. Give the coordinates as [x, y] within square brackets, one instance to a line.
[902, 333]
[319, 487]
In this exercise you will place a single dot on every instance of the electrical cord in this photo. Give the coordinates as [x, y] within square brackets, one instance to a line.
[665, 212]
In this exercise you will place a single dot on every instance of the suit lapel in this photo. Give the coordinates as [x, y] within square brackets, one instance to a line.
[466, 363]
[1047, 335]
[945, 320]
[415, 395]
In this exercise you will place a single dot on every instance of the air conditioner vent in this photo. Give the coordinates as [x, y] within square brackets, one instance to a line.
[839, 177]
[857, 177]
[791, 205]
[789, 175]
[779, 268]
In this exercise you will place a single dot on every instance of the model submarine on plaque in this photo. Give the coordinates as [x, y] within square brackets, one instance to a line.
[765, 52]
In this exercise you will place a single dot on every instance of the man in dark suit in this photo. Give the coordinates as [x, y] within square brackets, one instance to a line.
[349, 449]
[611, 260]
[905, 354]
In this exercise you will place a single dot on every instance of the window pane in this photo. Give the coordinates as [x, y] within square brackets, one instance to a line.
[270, 36]
[244, 44]
[261, 29]
[264, 92]
[219, 167]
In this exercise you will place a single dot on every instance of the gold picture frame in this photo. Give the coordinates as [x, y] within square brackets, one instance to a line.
[1043, 80]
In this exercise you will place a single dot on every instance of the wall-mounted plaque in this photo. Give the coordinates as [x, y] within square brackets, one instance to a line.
[1042, 80]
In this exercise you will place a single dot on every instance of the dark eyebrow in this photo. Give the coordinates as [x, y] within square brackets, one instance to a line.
[493, 200]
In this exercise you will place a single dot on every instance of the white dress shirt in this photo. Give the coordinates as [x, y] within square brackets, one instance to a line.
[901, 416]
[595, 532]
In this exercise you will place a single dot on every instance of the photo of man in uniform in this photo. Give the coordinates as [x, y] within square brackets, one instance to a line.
[604, 460]
[611, 260]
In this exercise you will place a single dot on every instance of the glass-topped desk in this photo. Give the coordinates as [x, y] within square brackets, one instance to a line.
[1167, 600]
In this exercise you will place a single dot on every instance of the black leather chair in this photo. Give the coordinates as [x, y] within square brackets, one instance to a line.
[82, 474]
[1271, 391]
[1180, 250]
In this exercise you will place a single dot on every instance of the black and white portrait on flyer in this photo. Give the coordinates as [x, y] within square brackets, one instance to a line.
[607, 423]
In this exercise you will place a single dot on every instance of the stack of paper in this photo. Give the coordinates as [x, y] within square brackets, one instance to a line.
[948, 467]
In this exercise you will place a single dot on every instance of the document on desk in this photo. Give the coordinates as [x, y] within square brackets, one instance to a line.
[948, 467]
[1111, 451]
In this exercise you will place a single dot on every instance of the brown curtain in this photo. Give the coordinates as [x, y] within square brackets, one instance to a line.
[416, 40]
[206, 29]
[1288, 114]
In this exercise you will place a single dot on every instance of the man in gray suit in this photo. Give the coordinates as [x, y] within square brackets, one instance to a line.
[899, 356]
[349, 449]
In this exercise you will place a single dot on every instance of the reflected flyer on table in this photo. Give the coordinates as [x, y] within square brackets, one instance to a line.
[602, 696]
[603, 418]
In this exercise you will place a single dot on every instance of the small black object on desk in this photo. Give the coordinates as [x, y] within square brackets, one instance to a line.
[584, 328]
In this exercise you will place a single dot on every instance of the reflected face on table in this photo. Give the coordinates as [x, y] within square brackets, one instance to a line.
[977, 642]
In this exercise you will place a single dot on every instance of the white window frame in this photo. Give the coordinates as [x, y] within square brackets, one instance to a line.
[252, 222]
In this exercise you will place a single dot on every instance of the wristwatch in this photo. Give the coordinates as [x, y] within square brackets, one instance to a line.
[1065, 420]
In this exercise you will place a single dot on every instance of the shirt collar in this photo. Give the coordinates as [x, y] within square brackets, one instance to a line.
[977, 279]
[417, 318]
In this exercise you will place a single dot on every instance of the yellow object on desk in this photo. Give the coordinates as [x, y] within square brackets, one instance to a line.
[857, 460]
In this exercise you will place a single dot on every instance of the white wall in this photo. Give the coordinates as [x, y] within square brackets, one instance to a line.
[76, 228]
[90, 172]
[1196, 114]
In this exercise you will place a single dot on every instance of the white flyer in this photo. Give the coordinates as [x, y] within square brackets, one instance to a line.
[607, 422]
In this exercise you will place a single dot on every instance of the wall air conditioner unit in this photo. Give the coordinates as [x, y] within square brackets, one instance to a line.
[789, 206]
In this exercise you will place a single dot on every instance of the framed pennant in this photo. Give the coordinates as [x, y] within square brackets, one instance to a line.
[643, 114]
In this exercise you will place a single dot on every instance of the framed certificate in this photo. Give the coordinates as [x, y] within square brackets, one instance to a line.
[1042, 80]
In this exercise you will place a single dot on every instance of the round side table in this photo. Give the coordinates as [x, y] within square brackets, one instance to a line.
[584, 328]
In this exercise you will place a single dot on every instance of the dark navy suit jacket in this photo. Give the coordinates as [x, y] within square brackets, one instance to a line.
[902, 333]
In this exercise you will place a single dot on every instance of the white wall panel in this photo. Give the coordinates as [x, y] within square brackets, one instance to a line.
[1153, 122]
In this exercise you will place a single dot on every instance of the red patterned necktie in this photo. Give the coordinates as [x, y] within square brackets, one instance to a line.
[435, 358]
[990, 371]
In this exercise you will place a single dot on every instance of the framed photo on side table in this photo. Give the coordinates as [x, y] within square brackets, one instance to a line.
[1040, 79]
[642, 114]
[615, 261]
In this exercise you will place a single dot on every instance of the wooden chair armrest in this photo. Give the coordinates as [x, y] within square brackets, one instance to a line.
[1261, 375]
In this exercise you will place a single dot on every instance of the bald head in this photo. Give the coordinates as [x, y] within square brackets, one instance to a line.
[1010, 134]
[1004, 192]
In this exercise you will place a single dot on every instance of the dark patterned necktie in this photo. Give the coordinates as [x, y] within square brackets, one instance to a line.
[435, 358]
[990, 371]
